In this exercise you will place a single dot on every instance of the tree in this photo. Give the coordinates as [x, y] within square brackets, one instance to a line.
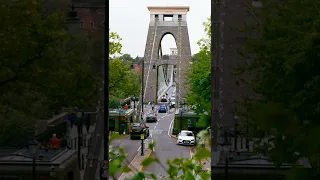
[123, 82]
[199, 79]
[285, 66]
[41, 69]
[126, 57]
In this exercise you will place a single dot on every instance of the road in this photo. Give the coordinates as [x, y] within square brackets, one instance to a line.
[166, 147]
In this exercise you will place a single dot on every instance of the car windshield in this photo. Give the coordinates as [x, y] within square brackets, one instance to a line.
[136, 126]
[162, 107]
[186, 134]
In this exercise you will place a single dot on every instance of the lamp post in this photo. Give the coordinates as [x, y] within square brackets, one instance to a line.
[142, 141]
[79, 115]
[33, 146]
[181, 119]
[226, 146]
[235, 118]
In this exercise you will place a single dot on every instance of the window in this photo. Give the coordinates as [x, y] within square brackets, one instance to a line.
[156, 16]
[167, 17]
[179, 16]
[112, 123]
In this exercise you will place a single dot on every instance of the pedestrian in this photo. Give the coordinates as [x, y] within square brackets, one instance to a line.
[55, 142]
[152, 107]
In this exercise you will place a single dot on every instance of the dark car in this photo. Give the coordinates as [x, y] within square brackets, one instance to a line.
[164, 100]
[137, 129]
[162, 109]
[151, 117]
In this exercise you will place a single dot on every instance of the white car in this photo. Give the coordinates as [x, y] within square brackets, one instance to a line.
[186, 138]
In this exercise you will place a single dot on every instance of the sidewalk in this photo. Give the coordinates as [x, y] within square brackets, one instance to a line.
[206, 164]
[135, 164]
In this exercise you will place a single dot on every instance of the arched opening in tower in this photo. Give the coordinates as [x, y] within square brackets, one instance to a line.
[167, 54]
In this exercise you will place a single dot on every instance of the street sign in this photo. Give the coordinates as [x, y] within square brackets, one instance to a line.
[104, 164]
[142, 136]
[104, 174]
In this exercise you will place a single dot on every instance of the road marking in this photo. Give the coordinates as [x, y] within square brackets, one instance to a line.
[170, 126]
[157, 123]
[138, 154]
[139, 149]
[151, 135]
[155, 127]
[153, 146]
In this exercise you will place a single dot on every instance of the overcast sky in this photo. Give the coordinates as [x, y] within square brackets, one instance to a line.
[130, 19]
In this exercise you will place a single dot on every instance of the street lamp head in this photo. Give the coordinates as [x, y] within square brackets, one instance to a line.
[79, 114]
[33, 145]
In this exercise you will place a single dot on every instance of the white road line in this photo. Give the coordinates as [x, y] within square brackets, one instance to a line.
[139, 149]
[170, 126]
[155, 127]
[151, 136]
[138, 154]
[153, 146]
[157, 123]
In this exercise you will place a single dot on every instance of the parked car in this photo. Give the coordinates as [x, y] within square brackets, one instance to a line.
[162, 109]
[186, 137]
[137, 129]
[151, 117]
[173, 102]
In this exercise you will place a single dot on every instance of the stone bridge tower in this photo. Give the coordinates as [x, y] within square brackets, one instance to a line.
[166, 20]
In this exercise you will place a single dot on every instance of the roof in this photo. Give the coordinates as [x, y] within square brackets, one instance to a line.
[169, 8]
[186, 131]
[117, 111]
[248, 159]
[43, 157]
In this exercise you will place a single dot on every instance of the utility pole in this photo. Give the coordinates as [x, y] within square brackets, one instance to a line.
[106, 93]
[215, 70]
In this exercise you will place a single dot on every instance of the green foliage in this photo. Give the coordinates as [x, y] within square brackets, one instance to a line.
[123, 81]
[285, 64]
[43, 69]
[199, 78]
[178, 168]
[115, 45]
